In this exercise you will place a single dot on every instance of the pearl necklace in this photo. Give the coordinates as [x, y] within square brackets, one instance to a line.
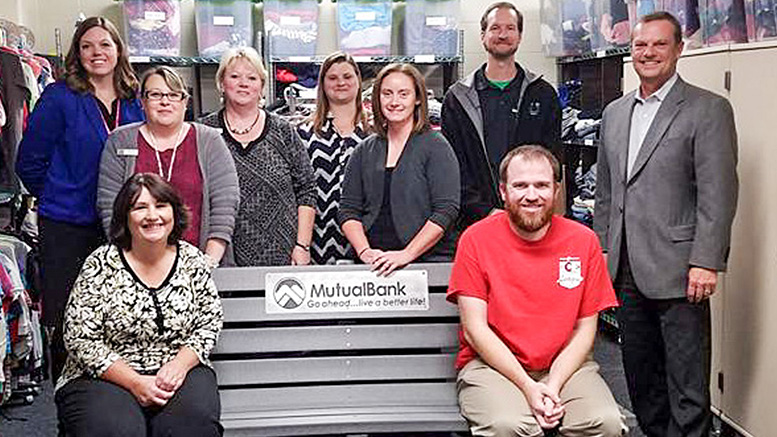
[172, 158]
[242, 131]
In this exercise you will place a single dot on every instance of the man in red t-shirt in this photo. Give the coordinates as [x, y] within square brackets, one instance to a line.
[529, 287]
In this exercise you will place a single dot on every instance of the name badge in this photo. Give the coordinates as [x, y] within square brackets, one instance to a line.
[128, 152]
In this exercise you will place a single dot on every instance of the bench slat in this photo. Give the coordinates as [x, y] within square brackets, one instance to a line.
[346, 422]
[250, 400]
[347, 338]
[328, 369]
[251, 309]
[252, 278]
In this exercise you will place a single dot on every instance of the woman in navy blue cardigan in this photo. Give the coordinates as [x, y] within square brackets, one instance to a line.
[59, 159]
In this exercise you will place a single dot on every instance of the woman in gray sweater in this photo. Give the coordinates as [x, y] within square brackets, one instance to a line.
[401, 187]
[191, 157]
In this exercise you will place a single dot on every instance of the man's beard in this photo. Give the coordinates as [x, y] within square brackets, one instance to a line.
[500, 55]
[528, 222]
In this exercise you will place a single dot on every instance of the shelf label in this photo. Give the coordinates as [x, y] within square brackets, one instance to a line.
[140, 59]
[290, 20]
[601, 53]
[223, 20]
[362, 58]
[365, 16]
[300, 58]
[437, 21]
[154, 15]
[423, 59]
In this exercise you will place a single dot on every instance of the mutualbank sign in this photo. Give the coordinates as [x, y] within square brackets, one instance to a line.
[321, 292]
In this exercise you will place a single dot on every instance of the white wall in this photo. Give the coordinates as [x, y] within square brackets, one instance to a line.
[43, 16]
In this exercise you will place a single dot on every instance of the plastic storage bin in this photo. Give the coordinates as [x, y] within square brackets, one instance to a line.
[550, 28]
[640, 8]
[610, 24]
[761, 19]
[575, 27]
[723, 21]
[364, 27]
[222, 24]
[291, 27]
[431, 27]
[152, 27]
[687, 13]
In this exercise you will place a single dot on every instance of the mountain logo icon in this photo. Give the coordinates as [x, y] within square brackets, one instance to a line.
[289, 293]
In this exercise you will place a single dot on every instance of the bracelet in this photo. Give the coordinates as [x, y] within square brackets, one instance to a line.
[304, 247]
[362, 251]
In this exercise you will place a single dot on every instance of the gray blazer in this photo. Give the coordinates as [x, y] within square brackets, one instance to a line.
[220, 191]
[424, 186]
[680, 200]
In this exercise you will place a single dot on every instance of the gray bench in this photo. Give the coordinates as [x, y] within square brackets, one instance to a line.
[335, 373]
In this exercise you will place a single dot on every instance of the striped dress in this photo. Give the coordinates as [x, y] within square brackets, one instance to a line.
[329, 155]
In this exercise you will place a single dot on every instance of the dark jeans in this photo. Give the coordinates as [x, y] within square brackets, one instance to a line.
[666, 358]
[64, 248]
[94, 407]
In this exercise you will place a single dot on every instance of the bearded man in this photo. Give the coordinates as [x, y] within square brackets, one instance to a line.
[497, 107]
[529, 286]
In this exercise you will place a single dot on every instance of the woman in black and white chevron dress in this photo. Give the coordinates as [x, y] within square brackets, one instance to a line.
[334, 130]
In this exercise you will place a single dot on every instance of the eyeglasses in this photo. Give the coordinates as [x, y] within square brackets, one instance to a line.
[174, 96]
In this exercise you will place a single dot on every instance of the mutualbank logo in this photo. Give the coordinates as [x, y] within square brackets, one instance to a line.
[346, 291]
[289, 293]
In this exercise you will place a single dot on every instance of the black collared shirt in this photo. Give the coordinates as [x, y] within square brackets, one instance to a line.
[500, 113]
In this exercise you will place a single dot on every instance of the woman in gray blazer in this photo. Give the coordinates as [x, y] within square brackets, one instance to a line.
[401, 188]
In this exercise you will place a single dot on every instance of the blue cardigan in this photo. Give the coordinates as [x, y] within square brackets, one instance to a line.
[59, 155]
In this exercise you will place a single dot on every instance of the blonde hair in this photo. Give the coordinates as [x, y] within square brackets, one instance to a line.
[172, 79]
[232, 55]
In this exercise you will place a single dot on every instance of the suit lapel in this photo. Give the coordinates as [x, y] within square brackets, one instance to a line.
[666, 113]
[622, 127]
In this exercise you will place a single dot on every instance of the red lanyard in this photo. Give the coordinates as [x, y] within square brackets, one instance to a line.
[118, 117]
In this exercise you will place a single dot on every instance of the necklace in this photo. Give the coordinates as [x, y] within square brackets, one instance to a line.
[242, 131]
[159, 159]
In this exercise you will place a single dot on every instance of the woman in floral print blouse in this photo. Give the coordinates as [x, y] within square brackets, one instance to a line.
[141, 321]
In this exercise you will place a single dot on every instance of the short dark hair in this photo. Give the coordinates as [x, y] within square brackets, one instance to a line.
[128, 194]
[421, 112]
[530, 152]
[502, 5]
[663, 15]
[124, 81]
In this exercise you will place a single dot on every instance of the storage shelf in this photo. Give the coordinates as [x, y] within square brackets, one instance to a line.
[417, 59]
[615, 51]
[592, 144]
[175, 61]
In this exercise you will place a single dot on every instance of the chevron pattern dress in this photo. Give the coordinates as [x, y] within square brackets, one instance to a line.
[329, 155]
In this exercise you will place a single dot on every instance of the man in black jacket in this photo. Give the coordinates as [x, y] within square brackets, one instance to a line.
[496, 108]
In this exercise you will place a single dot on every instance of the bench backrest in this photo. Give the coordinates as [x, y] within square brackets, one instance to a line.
[271, 362]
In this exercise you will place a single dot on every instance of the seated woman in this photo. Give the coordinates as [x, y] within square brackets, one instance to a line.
[277, 191]
[192, 157]
[141, 321]
[401, 188]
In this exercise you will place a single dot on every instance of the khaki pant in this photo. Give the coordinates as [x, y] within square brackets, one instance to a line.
[494, 406]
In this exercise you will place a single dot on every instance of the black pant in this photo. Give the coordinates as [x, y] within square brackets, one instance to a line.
[64, 248]
[94, 407]
[666, 356]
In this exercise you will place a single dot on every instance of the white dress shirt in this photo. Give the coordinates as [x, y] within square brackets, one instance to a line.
[642, 116]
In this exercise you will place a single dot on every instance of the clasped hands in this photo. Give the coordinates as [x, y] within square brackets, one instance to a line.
[545, 404]
[157, 389]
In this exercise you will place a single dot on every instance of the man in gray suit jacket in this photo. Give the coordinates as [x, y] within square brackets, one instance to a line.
[666, 198]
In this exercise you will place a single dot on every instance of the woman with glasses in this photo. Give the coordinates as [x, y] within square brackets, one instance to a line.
[59, 158]
[337, 126]
[274, 223]
[141, 321]
[191, 157]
